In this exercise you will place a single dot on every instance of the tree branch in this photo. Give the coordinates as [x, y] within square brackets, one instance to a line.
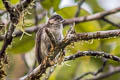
[14, 17]
[88, 36]
[76, 20]
[77, 37]
[94, 54]
[7, 5]
[7, 40]
[38, 71]
[96, 16]
[23, 5]
[42, 67]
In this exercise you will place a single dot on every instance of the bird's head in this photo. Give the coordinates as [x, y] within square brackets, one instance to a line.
[56, 19]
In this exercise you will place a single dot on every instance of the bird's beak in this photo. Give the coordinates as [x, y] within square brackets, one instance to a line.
[62, 21]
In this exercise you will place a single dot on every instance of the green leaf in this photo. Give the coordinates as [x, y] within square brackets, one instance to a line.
[22, 46]
[14, 1]
[47, 4]
[111, 46]
[87, 64]
[11, 1]
[69, 12]
[64, 12]
[65, 72]
[87, 26]
[113, 77]
[1, 5]
[76, 68]
[116, 49]
[94, 5]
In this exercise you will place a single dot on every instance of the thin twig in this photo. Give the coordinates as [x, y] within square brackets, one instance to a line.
[23, 5]
[36, 14]
[80, 2]
[48, 74]
[93, 73]
[112, 23]
[106, 74]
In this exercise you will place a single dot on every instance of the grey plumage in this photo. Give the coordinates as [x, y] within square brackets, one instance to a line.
[43, 43]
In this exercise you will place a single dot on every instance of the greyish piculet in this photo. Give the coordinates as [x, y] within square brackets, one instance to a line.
[43, 43]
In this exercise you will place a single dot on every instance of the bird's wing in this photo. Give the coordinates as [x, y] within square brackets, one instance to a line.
[38, 44]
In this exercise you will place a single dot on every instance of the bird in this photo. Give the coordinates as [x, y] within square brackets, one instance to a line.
[43, 43]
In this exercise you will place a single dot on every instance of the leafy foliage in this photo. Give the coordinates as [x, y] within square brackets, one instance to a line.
[47, 4]
[79, 66]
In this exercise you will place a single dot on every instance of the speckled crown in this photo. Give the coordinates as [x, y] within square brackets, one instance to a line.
[56, 17]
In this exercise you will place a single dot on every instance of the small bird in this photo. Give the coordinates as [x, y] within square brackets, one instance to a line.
[43, 43]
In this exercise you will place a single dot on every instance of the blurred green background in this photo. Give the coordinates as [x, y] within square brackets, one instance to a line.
[21, 52]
